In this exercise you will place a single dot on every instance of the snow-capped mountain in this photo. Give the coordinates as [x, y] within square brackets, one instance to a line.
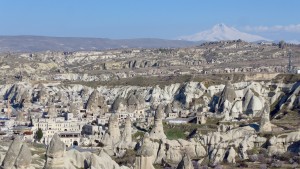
[223, 32]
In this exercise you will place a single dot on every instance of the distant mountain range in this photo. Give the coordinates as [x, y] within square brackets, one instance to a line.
[223, 32]
[44, 43]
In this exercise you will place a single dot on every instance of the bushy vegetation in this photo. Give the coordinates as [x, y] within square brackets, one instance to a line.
[174, 133]
[183, 131]
[128, 159]
[39, 134]
[287, 78]
[138, 135]
[208, 80]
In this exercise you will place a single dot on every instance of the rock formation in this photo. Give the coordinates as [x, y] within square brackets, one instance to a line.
[9, 109]
[26, 99]
[185, 163]
[55, 153]
[12, 154]
[144, 158]
[20, 116]
[17, 156]
[113, 134]
[231, 155]
[43, 95]
[265, 124]
[52, 111]
[113, 128]
[157, 131]
[24, 158]
[96, 103]
[119, 105]
[126, 138]
[227, 97]
[75, 108]
[75, 159]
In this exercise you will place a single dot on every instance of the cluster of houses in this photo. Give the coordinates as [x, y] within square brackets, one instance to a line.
[72, 128]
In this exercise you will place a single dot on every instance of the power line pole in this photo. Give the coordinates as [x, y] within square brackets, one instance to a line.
[290, 68]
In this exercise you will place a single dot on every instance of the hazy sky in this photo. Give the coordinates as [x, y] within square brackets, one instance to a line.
[274, 19]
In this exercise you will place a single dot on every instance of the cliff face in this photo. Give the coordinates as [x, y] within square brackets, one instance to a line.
[238, 98]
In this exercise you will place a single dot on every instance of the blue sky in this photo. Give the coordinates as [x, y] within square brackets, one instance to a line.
[169, 19]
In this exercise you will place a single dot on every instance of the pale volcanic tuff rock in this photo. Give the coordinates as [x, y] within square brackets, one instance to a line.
[43, 95]
[17, 156]
[52, 111]
[245, 145]
[265, 124]
[25, 99]
[74, 159]
[61, 97]
[231, 155]
[294, 99]
[217, 155]
[252, 104]
[113, 134]
[75, 108]
[96, 103]
[277, 146]
[241, 138]
[24, 158]
[284, 142]
[118, 105]
[145, 154]
[250, 96]
[132, 102]
[84, 93]
[167, 93]
[20, 117]
[185, 163]
[135, 102]
[55, 154]
[113, 128]
[191, 90]
[174, 152]
[157, 132]
[126, 135]
[233, 134]
[227, 97]
[126, 139]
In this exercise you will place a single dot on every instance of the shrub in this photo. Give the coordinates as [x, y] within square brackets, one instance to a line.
[285, 156]
[128, 159]
[243, 164]
[39, 134]
[264, 152]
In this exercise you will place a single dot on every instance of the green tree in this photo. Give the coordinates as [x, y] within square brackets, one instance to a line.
[39, 134]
